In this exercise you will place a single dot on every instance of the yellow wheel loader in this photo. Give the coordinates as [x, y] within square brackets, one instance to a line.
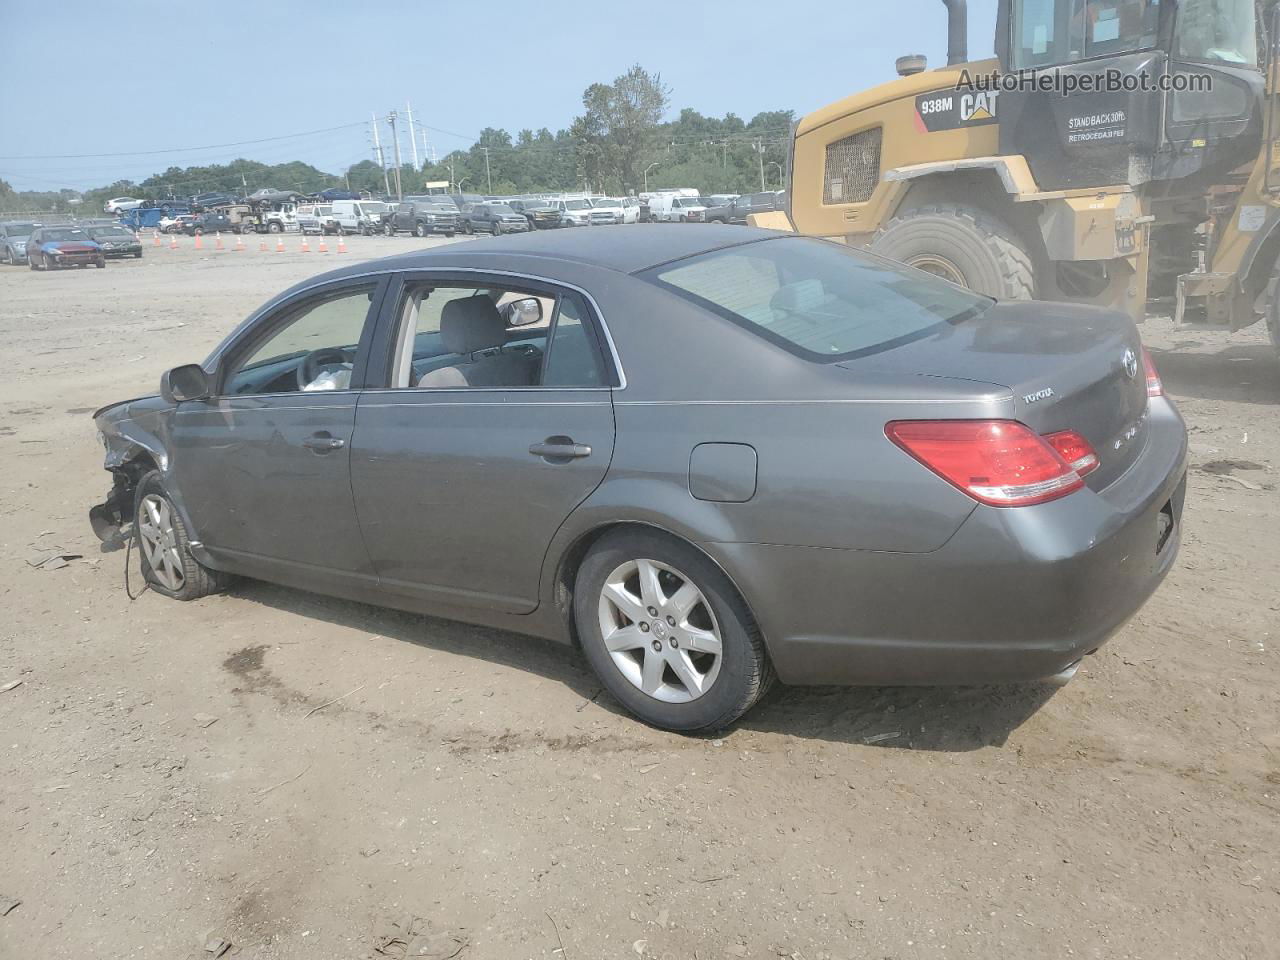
[1111, 152]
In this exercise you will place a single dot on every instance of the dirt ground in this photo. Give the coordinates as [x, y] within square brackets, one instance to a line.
[293, 774]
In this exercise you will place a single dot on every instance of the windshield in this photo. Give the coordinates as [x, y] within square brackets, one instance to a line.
[819, 300]
[1221, 30]
[64, 235]
[373, 206]
[109, 232]
[577, 205]
[18, 229]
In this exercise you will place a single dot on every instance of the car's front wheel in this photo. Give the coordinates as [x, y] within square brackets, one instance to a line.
[420, 229]
[667, 634]
[164, 549]
[48, 262]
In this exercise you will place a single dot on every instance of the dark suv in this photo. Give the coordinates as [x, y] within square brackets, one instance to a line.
[495, 218]
[422, 217]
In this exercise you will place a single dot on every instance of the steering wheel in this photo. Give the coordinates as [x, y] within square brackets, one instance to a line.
[311, 364]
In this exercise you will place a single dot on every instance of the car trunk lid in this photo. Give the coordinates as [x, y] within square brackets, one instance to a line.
[1068, 367]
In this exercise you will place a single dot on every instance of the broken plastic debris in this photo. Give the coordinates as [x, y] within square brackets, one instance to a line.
[7, 904]
[205, 719]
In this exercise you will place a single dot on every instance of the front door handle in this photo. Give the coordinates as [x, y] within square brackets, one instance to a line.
[323, 442]
[559, 450]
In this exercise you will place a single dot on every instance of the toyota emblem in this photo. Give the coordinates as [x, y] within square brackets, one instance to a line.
[1130, 361]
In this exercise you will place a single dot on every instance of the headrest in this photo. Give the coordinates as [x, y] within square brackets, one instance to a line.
[469, 324]
[799, 296]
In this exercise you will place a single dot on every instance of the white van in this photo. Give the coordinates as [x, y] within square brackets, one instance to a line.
[358, 216]
[673, 208]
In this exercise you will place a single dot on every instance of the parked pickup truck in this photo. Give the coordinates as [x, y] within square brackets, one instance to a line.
[422, 217]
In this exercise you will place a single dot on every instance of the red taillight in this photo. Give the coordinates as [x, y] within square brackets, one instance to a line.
[1155, 388]
[1002, 463]
[1074, 449]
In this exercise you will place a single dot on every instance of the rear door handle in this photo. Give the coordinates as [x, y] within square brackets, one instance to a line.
[559, 450]
[323, 442]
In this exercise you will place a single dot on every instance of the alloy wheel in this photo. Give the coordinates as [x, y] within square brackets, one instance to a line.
[160, 541]
[660, 631]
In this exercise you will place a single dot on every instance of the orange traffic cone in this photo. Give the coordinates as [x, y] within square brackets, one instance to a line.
[262, 245]
[306, 245]
[155, 238]
[342, 244]
[173, 242]
[199, 242]
[321, 247]
[217, 240]
[280, 244]
[239, 243]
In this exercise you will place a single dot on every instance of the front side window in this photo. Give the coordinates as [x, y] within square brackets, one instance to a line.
[312, 347]
[457, 336]
[819, 300]
[1218, 30]
[1048, 32]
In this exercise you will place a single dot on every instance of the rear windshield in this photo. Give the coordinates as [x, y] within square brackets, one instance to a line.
[820, 300]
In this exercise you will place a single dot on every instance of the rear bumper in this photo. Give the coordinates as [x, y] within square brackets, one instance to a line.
[1015, 595]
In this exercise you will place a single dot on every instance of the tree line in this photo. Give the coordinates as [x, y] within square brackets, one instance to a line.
[618, 144]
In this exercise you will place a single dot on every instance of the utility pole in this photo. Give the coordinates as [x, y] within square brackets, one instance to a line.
[413, 141]
[382, 160]
[487, 175]
[760, 152]
[395, 142]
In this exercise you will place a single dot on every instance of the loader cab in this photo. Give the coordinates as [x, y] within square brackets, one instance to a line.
[1164, 95]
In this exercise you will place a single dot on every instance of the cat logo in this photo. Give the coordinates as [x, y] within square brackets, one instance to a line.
[952, 110]
[976, 107]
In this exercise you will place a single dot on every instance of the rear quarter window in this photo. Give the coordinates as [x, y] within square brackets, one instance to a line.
[819, 300]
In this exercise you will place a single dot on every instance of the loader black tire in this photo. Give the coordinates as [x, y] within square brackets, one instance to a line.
[961, 244]
[1273, 311]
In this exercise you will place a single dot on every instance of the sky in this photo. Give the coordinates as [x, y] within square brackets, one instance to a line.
[105, 91]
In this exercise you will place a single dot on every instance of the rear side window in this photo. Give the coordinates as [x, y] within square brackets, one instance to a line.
[817, 299]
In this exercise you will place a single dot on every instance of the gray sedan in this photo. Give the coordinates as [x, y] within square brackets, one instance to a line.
[709, 460]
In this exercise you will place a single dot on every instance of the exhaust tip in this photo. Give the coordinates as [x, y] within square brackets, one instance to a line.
[1064, 676]
[911, 64]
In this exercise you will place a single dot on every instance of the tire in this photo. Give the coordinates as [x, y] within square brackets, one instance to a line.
[31, 262]
[198, 232]
[48, 263]
[184, 578]
[275, 226]
[389, 230]
[961, 244]
[735, 679]
[496, 228]
[420, 229]
[449, 234]
[101, 264]
[137, 255]
[1273, 312]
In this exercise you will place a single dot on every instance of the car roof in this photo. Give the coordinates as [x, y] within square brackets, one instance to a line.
[626, 250]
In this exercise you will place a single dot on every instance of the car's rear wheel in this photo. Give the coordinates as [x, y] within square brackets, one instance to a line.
[164, 549]
[667, 633]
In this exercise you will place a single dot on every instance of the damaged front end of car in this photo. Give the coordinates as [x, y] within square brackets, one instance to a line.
[132, 450]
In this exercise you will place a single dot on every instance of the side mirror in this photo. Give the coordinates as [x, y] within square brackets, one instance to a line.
[187, 382]
[521, 313]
